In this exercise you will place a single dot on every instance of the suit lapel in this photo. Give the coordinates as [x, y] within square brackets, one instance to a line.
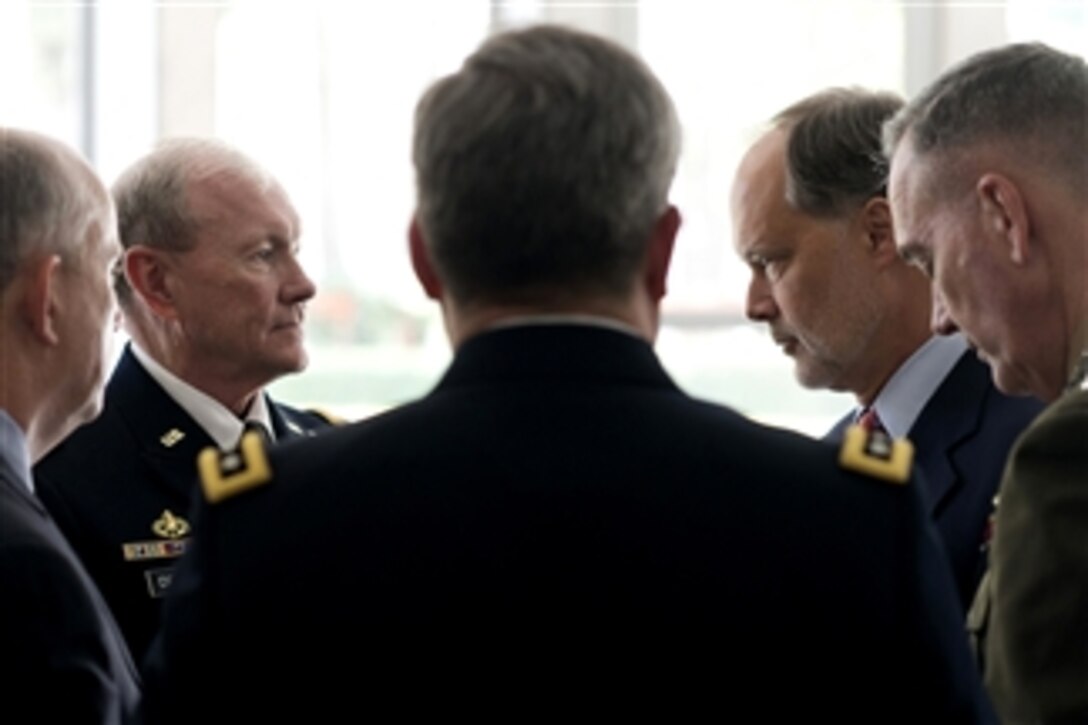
[951, 418]
[9, 478]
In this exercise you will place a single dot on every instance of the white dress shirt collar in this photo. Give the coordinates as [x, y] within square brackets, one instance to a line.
[13, 449]
[223, 426]
[906, 393]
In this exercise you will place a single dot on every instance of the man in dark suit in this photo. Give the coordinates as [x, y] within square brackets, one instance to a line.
[62, 658]
[212, 295]
[557, 525]
[989, 189]
[812, 222]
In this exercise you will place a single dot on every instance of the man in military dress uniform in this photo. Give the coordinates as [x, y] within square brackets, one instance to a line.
[989, 189]
[557, 526]
[212, 295]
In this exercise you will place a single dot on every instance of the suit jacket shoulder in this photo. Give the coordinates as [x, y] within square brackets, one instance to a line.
[63, 659]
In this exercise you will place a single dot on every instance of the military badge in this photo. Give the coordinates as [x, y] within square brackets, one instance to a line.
[876, 454]
[225, 474]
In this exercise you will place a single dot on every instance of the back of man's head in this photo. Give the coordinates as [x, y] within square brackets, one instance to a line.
[57, 241]
[1026, 98]
[153, 195]
[834, 160]
[542, 166]
[46, 201]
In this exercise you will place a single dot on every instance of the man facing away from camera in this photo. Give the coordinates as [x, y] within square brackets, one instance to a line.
[557, 525]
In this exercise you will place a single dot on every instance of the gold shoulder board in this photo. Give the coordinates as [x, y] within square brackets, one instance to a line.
[223, 475]
[876, 454]
[328, 416]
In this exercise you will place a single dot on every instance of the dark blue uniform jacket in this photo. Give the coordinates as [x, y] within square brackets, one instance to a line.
[557, 529]
[121, 487]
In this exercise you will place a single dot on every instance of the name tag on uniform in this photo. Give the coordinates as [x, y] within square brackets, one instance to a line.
[145, 550]
[159, 580]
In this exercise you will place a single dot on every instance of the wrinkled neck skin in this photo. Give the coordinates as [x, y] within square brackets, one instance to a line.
[164, 341]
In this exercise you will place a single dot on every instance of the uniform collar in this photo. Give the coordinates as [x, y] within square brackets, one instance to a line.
[537, 353]
[610, 323]
[221, 425]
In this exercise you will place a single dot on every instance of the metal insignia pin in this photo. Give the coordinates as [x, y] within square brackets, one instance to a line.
[170, 526]
[171, 437]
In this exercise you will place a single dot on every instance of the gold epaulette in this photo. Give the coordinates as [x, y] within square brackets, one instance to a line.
[876, 454]
[225, 474]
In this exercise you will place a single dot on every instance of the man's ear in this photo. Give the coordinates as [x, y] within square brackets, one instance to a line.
[876, 224]
[146, 273]
[1005, 215]
[40, 303]
[421, 262]
[659, 255]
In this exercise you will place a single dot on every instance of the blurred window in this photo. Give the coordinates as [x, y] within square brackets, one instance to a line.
[323, 93]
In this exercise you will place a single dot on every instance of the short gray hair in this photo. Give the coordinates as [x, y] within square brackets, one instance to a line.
[48, 196]
[152, 195]
[834, 159]
[542, 166]
[1026, 95]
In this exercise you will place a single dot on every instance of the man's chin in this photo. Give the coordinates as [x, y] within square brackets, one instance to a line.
[811, 378]
[291, 362]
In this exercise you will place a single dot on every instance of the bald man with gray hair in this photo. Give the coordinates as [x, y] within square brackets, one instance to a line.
[63, 658]
[213, 296]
